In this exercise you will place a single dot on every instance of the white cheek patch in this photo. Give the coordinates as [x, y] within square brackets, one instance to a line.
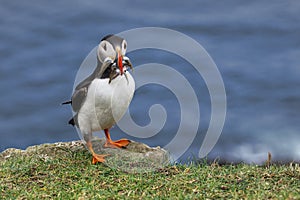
[106, 50]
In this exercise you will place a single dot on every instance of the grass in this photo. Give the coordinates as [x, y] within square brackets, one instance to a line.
[67, 173]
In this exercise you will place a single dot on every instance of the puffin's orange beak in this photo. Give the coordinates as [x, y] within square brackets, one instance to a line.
[120, 62]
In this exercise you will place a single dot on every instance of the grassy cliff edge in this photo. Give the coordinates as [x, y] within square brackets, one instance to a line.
[64, 171]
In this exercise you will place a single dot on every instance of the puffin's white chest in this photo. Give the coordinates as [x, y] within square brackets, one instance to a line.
[105, 103]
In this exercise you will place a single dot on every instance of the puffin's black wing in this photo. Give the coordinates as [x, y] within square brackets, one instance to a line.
[78, 98]
[81, 89]
[79, 94]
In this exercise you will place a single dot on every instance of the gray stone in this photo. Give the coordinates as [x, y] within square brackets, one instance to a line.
[136, 157]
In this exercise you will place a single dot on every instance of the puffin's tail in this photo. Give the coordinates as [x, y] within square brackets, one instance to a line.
[74, 121]
[66, 102]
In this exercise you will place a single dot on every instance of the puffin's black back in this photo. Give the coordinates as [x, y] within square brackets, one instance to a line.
[106, 37]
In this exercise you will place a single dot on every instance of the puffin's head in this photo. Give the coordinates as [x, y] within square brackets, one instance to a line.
[114, 48]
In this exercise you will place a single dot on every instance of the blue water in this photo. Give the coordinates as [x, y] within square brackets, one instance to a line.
[256, 46]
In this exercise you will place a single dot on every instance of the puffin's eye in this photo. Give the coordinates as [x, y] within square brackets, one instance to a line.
[124, 46]
[104, 47]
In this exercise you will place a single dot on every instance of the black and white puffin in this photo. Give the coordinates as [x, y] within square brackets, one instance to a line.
[102, 98]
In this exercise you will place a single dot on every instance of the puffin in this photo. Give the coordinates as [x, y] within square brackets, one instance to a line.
[100, 100]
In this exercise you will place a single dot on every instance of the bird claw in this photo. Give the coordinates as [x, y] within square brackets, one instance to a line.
[123, 143]
[98, 158]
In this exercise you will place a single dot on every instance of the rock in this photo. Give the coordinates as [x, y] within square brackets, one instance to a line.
[137, 157]
[44, 151]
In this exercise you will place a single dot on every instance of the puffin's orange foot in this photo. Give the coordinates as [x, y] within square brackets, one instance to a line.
[98, 158]
[117, 144]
